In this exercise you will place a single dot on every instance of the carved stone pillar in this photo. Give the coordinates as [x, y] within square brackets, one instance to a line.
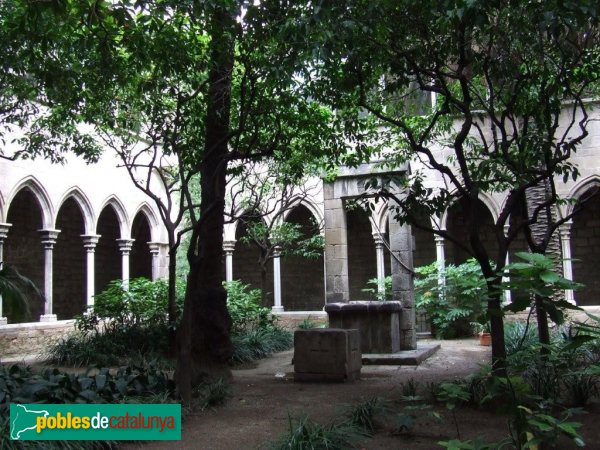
[48, 241]
[125, 248]
[378, 239]
[89, 243]
[154, 251]
[228, 248]
[277, 306]
[565, 244]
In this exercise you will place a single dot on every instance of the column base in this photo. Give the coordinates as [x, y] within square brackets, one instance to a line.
[48, 318]
[3, 321]
[277, 309]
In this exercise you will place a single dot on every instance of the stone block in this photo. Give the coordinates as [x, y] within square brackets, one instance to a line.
[378, 323]
[327, 354]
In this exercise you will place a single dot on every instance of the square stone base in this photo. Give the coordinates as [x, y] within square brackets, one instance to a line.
[378, 323]
[327, 354]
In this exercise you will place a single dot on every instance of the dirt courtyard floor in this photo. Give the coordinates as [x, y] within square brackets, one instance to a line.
[263, 399]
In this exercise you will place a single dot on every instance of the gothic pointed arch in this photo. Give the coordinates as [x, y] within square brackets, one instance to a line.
[117, 206]
[585, 240]
[108, 266]
[37, 189]
[140, 259]
[84, 206]
[455, 222]
[23, 247]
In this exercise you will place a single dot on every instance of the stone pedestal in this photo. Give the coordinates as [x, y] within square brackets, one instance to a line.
[377, 322]
[327, 354]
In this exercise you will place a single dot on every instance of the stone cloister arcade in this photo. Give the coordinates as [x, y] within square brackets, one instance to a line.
[72, 229]
[70, 255]
[301, 282]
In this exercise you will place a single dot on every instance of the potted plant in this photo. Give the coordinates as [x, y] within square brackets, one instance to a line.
[483, 329]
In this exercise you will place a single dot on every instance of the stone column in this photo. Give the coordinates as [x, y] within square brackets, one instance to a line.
[567, 262]
[277, 306]
[89, 243]
[337, 287]
[125, 248]
[48, 241]
[402, 280]
[380, 263]
[154, 251]
[3, 234]
[507, 292]
[228, 248]
[440, 258]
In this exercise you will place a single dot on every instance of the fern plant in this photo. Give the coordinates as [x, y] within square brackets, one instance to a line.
[454, 303]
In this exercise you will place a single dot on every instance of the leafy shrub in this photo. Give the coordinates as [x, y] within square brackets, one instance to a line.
[112, 347]
[143, 302]
[372, 288]
[209, 395]
[254, 333]
[121, 320]
[455, 304]
[20, 385]
[245, 308]
[519, 336]
[259, 343]
[130, 333]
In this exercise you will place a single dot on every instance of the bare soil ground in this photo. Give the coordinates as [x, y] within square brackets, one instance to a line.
[258, 412]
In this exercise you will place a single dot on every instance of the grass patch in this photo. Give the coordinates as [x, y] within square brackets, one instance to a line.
[259, 343]
[305, 434]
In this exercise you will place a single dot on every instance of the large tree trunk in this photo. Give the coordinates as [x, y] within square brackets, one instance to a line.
[204, 340]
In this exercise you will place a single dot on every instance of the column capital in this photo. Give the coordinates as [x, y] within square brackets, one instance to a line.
[439, 240]
[90, 241]
[565, 229]
[125, 245]
[277, 251]
[378, 239]
[48, 238]
[4, 227]
[229, 246]
[154, 247]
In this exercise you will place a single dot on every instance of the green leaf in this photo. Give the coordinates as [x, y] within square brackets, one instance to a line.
[549, 277]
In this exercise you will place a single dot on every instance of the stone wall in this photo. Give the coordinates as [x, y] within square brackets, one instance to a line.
[292, 320]
[21, 340]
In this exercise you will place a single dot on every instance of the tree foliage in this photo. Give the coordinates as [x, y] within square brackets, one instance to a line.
[479, 96]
